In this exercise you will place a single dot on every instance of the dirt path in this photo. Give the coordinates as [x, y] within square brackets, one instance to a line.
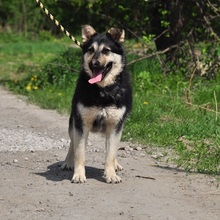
[33, 144]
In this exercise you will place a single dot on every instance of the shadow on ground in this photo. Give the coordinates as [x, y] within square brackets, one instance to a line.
[56, 174]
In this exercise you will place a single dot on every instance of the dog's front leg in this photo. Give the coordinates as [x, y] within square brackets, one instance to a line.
[111, 164]
[79, 156]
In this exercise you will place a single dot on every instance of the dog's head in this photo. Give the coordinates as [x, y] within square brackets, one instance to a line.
[103, 55]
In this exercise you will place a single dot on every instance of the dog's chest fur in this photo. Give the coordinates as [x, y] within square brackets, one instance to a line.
[99, 108]
[99, 118]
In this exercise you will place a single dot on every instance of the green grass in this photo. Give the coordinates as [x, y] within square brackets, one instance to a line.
[167, 113]
[16, 56]
[164, 115]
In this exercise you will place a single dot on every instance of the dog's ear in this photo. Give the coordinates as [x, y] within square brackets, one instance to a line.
[87, 32]
[117, 34]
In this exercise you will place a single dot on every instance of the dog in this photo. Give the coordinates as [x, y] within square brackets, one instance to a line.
[101, 102]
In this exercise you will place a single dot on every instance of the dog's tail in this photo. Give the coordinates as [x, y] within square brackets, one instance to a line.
[58, 24]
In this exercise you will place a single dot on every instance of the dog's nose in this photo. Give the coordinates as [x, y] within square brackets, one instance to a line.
[95, 63]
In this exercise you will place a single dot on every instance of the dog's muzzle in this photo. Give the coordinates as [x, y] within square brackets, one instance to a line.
[98, 71]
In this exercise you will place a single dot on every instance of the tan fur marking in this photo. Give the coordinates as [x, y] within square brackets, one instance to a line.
[116, 69]
[112, 114]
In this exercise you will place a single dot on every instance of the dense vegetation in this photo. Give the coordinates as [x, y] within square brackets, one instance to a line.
[173, 56]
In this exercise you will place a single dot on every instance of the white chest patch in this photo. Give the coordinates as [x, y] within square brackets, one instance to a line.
[111, 114]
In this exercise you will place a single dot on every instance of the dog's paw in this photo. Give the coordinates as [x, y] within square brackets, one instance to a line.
[111, 177]
[67, 166]
[78, 178]
[118, 166]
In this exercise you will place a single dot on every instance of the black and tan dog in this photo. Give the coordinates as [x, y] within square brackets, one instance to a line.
[102, 101]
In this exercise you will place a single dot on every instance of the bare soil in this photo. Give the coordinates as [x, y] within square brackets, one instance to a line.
[33, 145]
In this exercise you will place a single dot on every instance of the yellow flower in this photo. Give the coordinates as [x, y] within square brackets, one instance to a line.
[28, 88]
[145, 103]
[35, 87]
[34, 78]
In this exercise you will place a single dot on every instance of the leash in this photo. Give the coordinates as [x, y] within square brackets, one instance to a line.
[58, 24]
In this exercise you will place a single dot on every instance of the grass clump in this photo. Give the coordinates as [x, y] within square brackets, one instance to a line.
[170, 111]
[50, 86]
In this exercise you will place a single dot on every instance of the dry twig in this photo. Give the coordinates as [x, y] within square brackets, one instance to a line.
[202, 107]
[153, 54]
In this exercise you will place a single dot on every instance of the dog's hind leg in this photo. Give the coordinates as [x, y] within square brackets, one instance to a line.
[111, 164]
[68, 163]
[80, 140]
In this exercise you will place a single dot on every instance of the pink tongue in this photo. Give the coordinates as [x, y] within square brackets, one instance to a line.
[96, 78]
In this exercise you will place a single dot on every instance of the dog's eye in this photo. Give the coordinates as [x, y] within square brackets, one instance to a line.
[105, 51]
[91, 50]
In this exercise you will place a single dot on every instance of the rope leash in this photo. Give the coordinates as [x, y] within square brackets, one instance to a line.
[58, 24]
